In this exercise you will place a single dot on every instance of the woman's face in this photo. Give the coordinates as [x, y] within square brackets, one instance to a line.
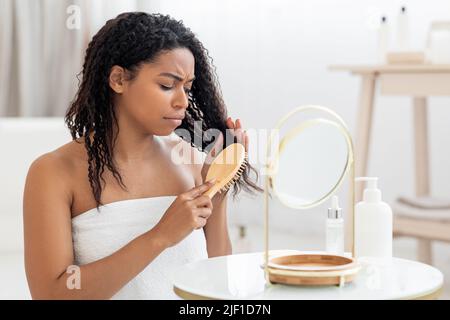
[155, 100]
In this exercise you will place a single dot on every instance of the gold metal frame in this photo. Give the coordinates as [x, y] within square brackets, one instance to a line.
[271, 164]
[289, 137]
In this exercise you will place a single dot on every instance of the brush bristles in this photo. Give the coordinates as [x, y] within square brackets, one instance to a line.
[236, 176]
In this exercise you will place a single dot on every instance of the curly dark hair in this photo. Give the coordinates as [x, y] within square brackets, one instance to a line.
[130, 40]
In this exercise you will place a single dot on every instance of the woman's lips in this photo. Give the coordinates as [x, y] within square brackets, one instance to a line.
[175, 121]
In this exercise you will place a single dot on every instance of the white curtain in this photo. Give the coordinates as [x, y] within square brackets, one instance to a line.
[40, 56]
[6, 61]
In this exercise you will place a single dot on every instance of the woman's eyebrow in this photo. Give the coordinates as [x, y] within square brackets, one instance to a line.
[174, 76]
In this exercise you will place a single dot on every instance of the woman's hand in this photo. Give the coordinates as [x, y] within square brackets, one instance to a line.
[237, 132]
[189, 211]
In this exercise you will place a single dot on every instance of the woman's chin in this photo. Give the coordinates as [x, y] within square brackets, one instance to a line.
[164, 131]
[168, 127]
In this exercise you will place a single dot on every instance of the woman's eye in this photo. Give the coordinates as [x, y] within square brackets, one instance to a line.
[165, 87]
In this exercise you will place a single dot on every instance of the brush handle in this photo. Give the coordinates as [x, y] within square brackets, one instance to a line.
[212, 191]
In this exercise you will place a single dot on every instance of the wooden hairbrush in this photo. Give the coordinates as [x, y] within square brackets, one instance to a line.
[227, 168]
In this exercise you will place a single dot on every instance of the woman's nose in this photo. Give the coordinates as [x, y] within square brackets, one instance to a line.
[181, 99]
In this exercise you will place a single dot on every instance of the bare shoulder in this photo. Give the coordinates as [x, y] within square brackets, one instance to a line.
[59, 161]
[54, 171]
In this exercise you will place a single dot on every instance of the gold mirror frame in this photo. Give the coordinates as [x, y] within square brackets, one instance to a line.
[291, 135]
[271, 162]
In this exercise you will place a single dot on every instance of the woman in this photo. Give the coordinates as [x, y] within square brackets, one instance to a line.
[111, 214]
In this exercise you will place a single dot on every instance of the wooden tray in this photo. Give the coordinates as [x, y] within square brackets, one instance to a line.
[312, 269]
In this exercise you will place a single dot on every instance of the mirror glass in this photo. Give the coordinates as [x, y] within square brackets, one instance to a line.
[311, 163]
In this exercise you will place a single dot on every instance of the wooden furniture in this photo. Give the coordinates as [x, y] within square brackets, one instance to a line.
[313, 269]
[241, 276]
[418, 81]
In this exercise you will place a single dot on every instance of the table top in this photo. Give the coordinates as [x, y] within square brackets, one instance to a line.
[393, 68]
[241, 276]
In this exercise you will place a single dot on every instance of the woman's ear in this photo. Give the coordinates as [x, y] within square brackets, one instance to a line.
[117, 79]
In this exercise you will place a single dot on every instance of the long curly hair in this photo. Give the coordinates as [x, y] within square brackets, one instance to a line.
[129, 40]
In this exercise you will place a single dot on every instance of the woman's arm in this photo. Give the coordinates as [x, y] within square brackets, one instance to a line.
[48, 242]
[216, 229]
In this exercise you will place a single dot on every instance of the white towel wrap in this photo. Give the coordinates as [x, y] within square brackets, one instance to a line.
[99, 234]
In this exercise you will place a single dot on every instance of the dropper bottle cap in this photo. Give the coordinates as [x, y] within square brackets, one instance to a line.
[334, 212]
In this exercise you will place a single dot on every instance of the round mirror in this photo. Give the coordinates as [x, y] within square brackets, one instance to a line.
[311, 162]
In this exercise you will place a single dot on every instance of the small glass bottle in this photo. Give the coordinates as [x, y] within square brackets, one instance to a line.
[335, 229]
[242, 243]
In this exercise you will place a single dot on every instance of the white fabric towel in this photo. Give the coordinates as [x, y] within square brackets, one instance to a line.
[99, 234]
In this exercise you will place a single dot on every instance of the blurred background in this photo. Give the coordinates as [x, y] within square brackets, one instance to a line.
[270, 57]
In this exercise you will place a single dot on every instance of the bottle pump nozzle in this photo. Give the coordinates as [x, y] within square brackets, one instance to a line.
[371, 192]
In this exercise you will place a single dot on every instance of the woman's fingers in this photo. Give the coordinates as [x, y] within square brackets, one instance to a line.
[245, 141]
[199, 190]
[238, 124]
[237, 131]
[217, 145]
[200, 223]
[204, 213]
[203, 202]
[215, 150]
[230, 123]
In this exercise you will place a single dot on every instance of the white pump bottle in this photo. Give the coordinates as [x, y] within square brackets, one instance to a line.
[373, 223]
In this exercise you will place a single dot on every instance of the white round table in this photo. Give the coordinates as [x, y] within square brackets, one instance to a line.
[241, 276]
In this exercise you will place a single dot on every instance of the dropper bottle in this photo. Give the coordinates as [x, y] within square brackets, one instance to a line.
[335, 228]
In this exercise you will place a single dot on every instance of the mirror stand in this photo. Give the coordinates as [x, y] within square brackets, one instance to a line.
[310, 269]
